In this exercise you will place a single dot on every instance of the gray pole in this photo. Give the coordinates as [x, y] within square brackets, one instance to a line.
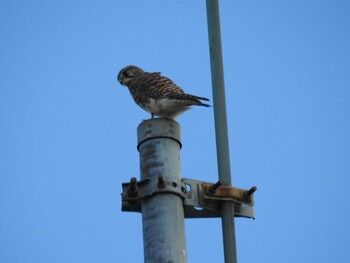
[222, 146]
[162, 213]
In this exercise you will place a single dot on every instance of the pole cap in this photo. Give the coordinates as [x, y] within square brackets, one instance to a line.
[158, 128]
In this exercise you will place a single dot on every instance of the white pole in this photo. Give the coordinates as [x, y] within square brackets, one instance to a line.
[162, 213]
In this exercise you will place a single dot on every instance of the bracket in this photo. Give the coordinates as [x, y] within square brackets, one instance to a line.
[135, 191]
[201, 199]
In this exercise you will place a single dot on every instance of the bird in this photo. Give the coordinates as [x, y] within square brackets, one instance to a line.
[157, 94]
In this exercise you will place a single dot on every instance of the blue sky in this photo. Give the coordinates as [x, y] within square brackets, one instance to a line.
[68, 129]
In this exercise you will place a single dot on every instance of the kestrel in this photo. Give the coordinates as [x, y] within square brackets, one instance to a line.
[156, 94]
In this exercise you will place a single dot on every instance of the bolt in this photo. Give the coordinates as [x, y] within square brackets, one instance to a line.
[161, 181]
[251, 191]
[132, 189]
[214, 187]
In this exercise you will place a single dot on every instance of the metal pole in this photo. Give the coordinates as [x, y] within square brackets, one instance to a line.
[162, 213]
[222, 146]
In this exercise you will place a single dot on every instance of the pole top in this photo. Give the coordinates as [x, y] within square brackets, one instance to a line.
[158, 128]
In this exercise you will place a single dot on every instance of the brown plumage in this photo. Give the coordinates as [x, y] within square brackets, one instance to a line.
[156, 94]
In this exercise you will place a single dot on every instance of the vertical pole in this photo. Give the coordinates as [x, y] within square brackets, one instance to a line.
[222, 146]
[162, 214]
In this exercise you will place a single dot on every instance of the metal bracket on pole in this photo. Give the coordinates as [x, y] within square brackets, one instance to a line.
[201, 199]
[135, 191]
[204, 199]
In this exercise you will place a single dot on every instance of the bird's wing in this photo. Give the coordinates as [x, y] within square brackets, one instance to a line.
[153, 85]
[187, 99]
[175, 95]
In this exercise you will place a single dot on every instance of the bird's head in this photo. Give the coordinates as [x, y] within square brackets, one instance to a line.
[128, 73]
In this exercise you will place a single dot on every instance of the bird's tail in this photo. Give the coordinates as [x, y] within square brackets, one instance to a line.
[188, 99]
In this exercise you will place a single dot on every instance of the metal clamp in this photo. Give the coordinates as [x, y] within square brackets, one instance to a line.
[203, 199]
[135, 191]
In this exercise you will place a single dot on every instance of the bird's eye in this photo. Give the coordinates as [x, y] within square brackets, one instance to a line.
[126, 74]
